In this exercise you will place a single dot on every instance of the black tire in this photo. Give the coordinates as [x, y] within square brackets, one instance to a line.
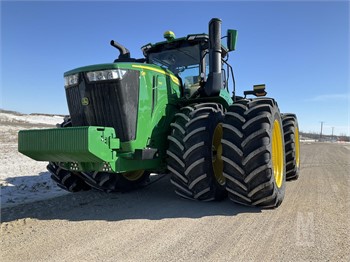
[67, 180]
[117, 182]
[252, 139]
[292, 145]
[194, 153]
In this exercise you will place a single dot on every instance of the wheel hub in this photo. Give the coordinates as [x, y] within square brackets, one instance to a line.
[133, 175]
[217, 155]
[277, 153]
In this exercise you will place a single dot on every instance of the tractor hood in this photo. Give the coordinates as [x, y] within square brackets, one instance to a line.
[96, 67]
[104, 95]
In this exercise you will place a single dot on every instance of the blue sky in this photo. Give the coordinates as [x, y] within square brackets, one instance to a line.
[300, 50]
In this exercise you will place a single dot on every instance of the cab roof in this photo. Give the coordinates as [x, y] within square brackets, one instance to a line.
[189, 40]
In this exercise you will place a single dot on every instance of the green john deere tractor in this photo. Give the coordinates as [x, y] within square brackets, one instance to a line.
[170, 112]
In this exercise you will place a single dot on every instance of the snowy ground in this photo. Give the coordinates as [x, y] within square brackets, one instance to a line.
[18, 119]
[23, 180]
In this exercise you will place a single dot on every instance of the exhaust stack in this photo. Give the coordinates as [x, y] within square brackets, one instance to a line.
[124, 52]
[213, 85]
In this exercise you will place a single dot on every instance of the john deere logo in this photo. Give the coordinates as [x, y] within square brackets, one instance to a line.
[85, 101]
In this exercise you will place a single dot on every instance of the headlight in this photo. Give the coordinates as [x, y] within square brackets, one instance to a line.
[105, 75]
[71, 80]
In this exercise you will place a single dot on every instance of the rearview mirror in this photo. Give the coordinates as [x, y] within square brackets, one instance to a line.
[231, 39]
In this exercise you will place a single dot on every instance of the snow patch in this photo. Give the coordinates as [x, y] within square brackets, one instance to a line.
[32, 119]
[23, 180]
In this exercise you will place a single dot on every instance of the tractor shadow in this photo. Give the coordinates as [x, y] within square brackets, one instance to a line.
[156, 201]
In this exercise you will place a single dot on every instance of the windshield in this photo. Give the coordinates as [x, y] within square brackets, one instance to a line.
[183, 62]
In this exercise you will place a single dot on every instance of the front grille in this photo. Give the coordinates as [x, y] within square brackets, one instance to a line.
[110, 104]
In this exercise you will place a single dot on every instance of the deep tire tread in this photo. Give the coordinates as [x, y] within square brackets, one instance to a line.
[290, 123]
[67, 180]
[246, 153]
[192, 180]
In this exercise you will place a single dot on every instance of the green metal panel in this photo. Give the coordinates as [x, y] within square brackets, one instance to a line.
[231, 39]
[223, 99]
[124, 165]
[225, 95]
[160, 88]
[74, 144]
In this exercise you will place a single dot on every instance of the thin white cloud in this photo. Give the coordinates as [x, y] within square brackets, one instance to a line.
[328, 97]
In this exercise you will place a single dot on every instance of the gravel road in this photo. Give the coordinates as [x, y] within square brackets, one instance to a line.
[153, 224]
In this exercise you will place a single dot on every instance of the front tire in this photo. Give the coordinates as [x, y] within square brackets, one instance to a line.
[194, 153]
[67, 180]
[253, 153]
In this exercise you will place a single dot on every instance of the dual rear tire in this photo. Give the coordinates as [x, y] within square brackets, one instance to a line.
[292, 146]
[241, 152]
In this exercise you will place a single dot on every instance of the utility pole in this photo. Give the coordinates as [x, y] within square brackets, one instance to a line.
[332, 132]
[321, 129]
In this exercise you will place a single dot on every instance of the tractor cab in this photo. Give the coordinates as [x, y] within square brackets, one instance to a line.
[187, 58]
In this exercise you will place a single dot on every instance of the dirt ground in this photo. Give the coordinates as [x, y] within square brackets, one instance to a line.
[153, 224]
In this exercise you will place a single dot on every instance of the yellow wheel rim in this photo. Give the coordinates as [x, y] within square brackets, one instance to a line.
[297, 147]
[217, 155]
[277, 153]
[133, 175]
